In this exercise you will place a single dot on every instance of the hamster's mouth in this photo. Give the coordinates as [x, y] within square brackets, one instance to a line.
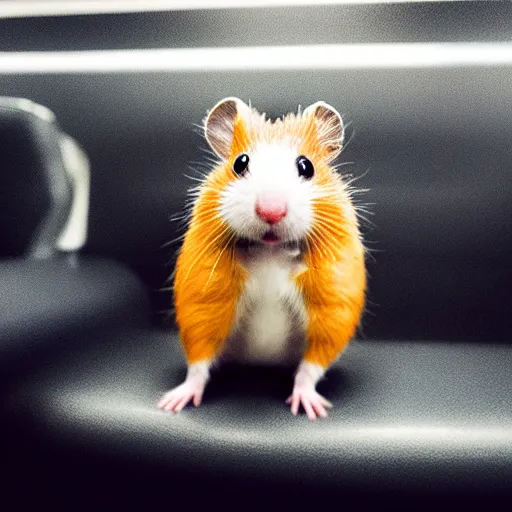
[270, 238]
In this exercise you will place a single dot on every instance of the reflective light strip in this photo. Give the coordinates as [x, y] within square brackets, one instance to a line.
[74, 234]
[11, 9]
[366, 56]
[386, 438]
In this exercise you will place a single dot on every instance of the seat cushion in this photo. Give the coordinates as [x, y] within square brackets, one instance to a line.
[411, 417]
[51, 304]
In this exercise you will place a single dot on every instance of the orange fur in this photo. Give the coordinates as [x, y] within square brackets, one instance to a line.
[333, 292]
[209, 280]
[334, 284]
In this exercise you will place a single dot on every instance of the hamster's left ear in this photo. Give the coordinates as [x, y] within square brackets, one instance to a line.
[329, 127]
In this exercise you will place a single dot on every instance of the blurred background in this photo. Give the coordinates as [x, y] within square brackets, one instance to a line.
[424, 88]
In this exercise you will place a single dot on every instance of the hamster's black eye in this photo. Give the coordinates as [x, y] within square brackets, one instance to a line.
[305, 167]
[241, 163]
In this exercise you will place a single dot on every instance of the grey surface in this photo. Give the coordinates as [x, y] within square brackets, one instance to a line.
[407, 416]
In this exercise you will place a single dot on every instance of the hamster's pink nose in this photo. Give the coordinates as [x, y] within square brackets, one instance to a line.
[271, 208]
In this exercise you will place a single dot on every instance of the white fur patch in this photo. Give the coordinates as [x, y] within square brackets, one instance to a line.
[199, 372]
[308, 374]
[271, 317]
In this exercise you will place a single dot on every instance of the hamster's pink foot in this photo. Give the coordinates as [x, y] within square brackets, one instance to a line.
[176, 399]
[191, 389]
[304, 392]
[314, 404]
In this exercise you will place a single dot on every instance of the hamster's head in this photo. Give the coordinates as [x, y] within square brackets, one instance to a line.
[274, 183]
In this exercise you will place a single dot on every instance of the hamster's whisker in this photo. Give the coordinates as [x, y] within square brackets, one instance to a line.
[322, 243]
[335, 167]
[193, 178]
[227, 244]
[328, 248]
[356, 190]
[365, 219]
[333, 223]
[328, 231]
[203, 164]
[173, 241]
[329, 221]
[317, 245]
[355, 178]
[201, 179]
[210, 157]
[204, 223]
[181, 219]
[361, 208]
[194, 191]
[211, 154]
[189, 204]
[188, 207]
[210, 244]
[308, 247]
[211, 202]
[369, 253]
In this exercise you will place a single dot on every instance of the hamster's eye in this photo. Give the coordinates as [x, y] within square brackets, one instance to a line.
[241, 163]
[305, 167]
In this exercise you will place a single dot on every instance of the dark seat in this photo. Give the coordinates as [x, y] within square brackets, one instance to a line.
[45, 305]
[408, 418]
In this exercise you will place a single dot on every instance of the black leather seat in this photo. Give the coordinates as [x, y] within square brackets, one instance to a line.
[410, 419]
[46, 305]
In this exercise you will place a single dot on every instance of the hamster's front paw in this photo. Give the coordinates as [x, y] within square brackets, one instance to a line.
[179, 397]
[314, 404]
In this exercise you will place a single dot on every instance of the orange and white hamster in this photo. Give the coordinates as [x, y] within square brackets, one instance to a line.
[272, 268]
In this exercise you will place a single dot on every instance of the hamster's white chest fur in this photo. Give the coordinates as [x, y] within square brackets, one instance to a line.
[270, 319]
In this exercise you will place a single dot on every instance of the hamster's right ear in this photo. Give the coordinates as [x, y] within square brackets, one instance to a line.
[330, 131]
[219, 125]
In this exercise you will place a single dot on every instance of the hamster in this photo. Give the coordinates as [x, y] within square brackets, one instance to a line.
[272, 267]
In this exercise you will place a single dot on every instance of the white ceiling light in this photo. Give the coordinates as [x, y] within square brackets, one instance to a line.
[309, 57]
